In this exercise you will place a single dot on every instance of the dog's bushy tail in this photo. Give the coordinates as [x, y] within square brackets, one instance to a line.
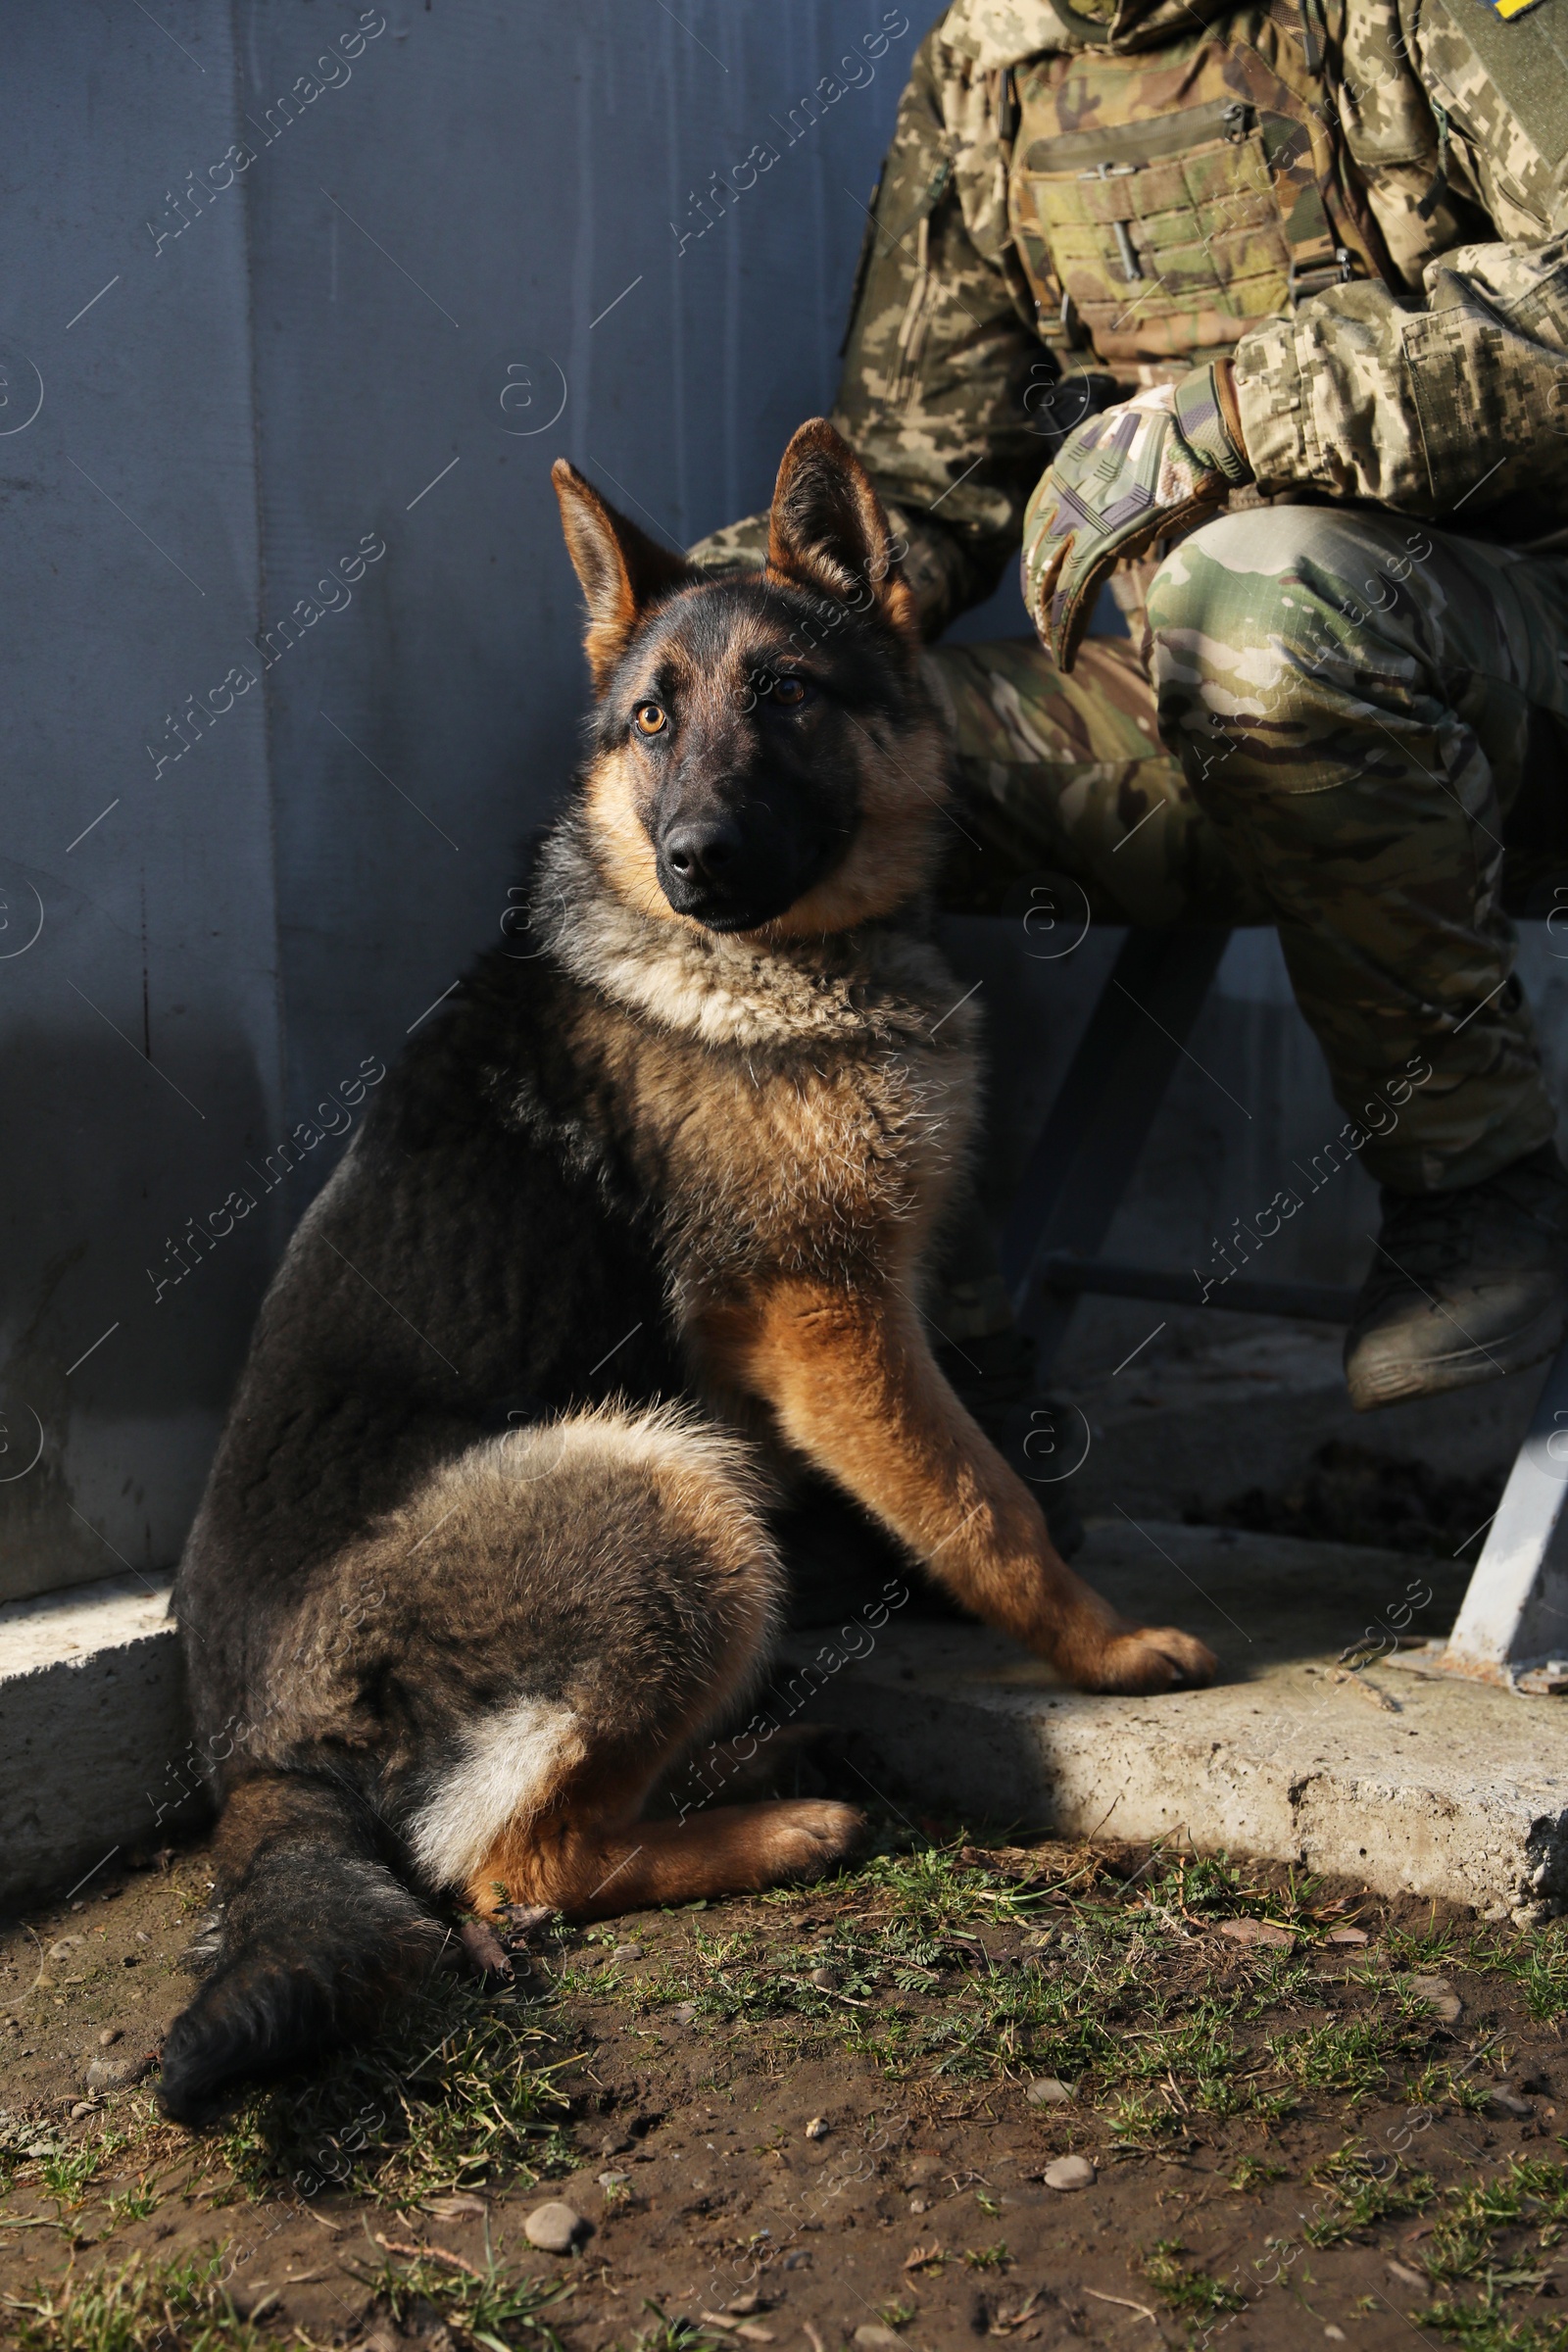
[313, 1936]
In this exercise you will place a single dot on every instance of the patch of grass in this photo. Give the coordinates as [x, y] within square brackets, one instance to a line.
[180, 2306]
[1194, 2292]
[896, 2315]
[933, 1891]
[1537, 1963]
[1486, 2327]
[987, 2258]
[1533, 2192]
[1363, 2190]
[1443, 2085]
[1256, 2172]
[452, 2095]
[64, 2176]
[1212, 1888]
[487, 2307]
[133, 2204]
[1353, 2055]
[1426, 1951]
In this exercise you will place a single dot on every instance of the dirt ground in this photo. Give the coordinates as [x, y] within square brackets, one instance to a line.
[820, 2117]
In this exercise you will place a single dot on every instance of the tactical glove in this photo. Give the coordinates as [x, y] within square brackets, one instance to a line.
[1135, 474]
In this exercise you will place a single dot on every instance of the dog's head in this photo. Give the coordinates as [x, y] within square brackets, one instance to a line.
[764, 757]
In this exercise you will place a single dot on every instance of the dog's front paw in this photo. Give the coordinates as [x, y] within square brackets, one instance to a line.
[1140, 1657]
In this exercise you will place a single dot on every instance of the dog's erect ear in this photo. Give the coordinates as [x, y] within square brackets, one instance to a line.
[621, 570]
[827, 530]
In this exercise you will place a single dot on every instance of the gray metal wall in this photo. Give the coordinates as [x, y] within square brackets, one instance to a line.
[270, 377]
[307, 337]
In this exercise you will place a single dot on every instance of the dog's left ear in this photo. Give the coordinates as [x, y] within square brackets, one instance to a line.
[827, 530]
[621, 570]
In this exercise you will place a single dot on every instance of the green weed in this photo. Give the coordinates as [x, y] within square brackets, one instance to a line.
[179, 2306]
[453, 2093]
[1363, 2190]
[1196, 2293]
[64, 2176]
[133, 2204]
[487, 2307]
[1486, 2327]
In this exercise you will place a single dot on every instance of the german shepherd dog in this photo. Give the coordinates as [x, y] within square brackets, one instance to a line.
[637, 1221]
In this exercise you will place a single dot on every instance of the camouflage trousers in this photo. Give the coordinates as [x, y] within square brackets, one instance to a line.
[1336, 720]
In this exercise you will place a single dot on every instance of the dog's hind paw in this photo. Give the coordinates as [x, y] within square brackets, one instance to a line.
[804, 1838]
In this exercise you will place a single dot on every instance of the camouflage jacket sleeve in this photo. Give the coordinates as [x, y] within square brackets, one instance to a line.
[1423, 407]
[939, 355]
[1454, 393]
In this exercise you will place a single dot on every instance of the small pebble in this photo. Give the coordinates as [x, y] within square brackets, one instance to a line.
[553, 2228]
[1047, 2092]
[1508, 2102]
[1345, 1935]
[826, 1979]
[84, 2107]
[1439, 1997]
[1070, 2171]
[109, 2033]
[918, 2205]
[116, 2074]
[743, 2306]
[613, 2179]
[464, 2206]
[627, 1951]
[873, 2332]
[684, 2013]
[1336, 2336]
[818, 2128]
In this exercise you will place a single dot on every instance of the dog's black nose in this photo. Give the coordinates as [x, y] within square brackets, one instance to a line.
[703, 852]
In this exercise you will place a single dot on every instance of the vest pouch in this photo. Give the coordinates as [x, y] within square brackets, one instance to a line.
[1162, 206]
[1168, 237]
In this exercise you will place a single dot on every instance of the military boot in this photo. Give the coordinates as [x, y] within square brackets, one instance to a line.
[1464, 1286]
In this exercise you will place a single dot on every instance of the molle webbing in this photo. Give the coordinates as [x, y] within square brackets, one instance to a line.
[1164, 200]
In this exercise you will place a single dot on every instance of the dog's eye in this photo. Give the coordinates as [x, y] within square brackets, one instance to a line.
[789, 692]
[649, 719]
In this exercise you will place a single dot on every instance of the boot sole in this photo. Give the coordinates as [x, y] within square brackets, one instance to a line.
[1397, 1383]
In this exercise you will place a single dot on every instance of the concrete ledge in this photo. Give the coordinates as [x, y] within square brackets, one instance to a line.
[1404, 1783]
[1407, 1784]
[93, 1733]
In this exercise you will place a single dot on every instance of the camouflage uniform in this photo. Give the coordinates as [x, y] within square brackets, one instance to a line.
[1332, 716]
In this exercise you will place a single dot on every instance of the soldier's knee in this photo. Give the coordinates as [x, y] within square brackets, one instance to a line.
[1257, 625]
[1243, 577]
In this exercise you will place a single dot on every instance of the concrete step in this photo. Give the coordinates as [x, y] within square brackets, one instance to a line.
[95, 1751]
[1405, 1783]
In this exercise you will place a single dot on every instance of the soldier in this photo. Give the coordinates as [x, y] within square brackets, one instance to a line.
[1293, 273]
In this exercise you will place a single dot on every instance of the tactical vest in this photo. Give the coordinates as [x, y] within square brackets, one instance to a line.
[1161, 202]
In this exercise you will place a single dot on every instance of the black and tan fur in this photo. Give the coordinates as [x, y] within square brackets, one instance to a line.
[640, 1215]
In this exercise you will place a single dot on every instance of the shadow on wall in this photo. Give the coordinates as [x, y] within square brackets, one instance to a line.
[326, 279]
